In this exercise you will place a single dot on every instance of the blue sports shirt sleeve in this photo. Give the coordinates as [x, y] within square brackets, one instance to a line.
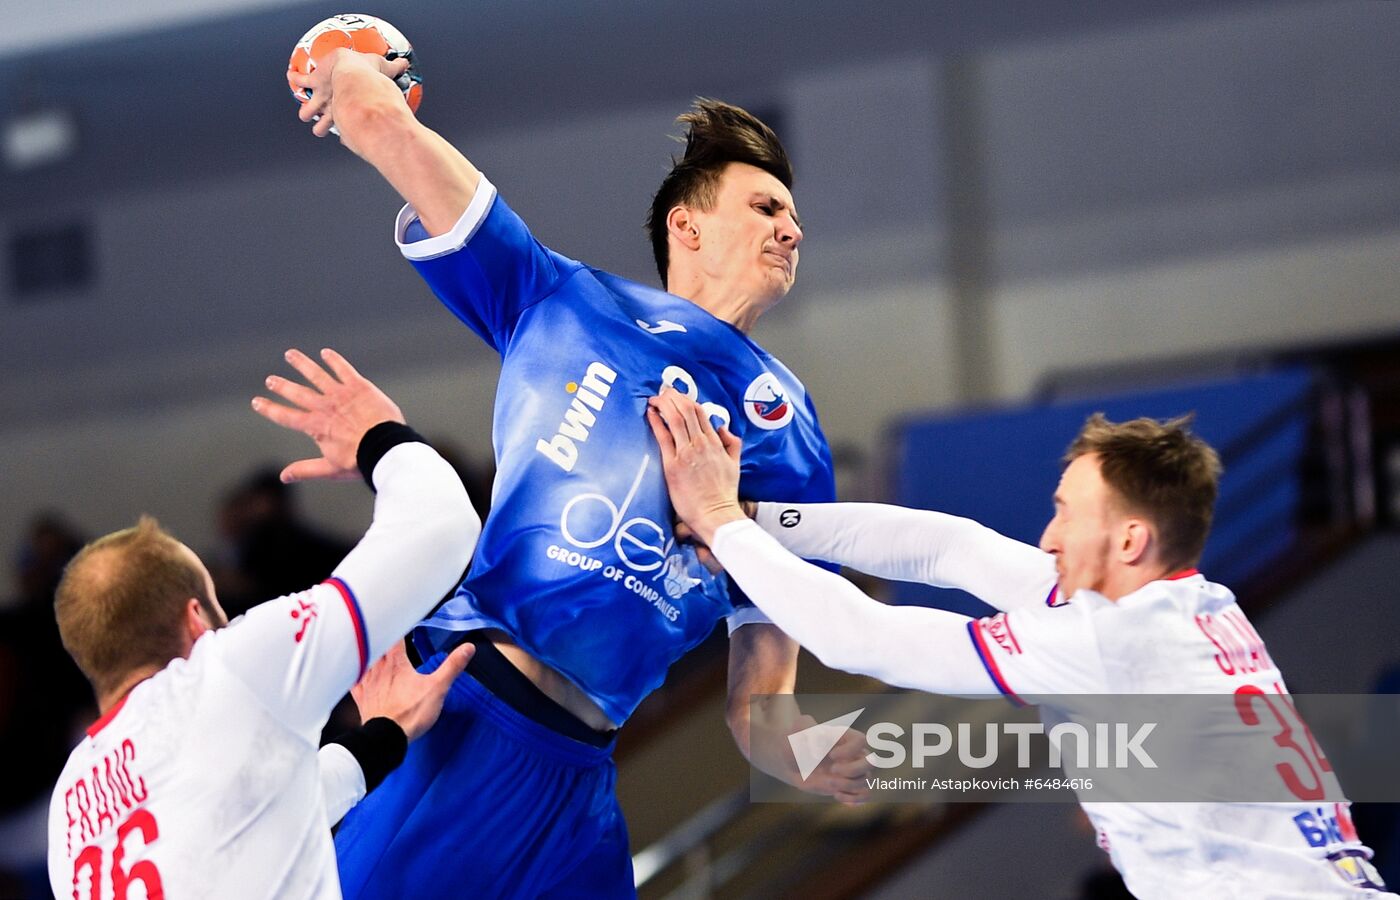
[488, 269]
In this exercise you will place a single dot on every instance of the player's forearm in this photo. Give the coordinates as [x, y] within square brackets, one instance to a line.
[428, 172]
[927, 649]
[762, 661]
[418, 545]
[913, 545]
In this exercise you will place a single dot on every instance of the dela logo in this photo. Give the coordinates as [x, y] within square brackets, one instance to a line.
[579, 418]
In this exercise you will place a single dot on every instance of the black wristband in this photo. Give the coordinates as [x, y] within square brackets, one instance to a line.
[379, 746]
[378, 441]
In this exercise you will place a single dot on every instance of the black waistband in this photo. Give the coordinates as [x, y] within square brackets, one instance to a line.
[509, 685]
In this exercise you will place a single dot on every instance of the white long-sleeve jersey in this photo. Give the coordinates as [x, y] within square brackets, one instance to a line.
[1183, 635]
[204, 781]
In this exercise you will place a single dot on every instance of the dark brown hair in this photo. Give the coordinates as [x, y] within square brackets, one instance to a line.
[1161, 471]
[121, 601]
[717, 134]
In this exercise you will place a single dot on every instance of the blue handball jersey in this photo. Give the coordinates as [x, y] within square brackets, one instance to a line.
[577, 560]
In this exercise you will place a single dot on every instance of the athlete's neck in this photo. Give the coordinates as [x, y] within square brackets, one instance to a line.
[1130, 580]
[110, 698]
[738, 309]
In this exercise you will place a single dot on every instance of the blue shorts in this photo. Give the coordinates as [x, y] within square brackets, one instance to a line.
[489, 803]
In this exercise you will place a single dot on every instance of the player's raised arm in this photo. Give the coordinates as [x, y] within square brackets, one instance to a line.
[475, 253]
[300, 653]
[915, 545]
[355, 92]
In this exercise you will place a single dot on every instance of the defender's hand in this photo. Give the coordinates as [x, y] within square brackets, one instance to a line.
[686, 535]
[701, 464]
[393, 688]
[841, 774]
[335, 411]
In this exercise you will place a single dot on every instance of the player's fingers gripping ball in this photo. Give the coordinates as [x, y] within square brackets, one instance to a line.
[363, 34]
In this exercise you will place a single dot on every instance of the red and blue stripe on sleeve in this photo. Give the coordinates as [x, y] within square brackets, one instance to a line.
[357, 619]
[979, 643]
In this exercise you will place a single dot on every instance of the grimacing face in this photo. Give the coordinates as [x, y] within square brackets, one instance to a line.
[750, 237]
[219, 618]
[1081, 535]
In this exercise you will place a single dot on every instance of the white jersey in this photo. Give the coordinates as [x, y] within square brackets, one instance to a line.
[1186, 635]
[204, 780]
[1179, 636]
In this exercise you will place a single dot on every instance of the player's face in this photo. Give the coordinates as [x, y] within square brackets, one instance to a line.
[1080, 536]
[749, 239]
[218, 618]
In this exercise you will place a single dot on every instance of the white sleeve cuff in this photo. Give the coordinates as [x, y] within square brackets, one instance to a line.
[342, 781]
[729, 529]
[746, 615]
[449, 241]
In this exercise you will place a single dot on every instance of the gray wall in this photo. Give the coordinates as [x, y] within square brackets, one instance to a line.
[1222, 178]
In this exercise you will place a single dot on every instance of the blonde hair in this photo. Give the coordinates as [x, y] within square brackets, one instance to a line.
[1160, 470]
[119, 606]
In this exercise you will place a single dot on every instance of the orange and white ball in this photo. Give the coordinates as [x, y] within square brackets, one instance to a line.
[364, 34]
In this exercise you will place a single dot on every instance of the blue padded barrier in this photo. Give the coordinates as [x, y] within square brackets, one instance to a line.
[1001, 467]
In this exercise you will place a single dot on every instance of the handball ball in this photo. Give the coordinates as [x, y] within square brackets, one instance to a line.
[363, 34]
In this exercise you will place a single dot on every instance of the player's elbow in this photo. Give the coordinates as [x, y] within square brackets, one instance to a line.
[451, 533]
[460, 528]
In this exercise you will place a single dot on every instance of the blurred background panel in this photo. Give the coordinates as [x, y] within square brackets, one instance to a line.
[994, 192]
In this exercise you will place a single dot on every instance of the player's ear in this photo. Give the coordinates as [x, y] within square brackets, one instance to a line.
[681, 225]
[1136, 540]
[195, 623]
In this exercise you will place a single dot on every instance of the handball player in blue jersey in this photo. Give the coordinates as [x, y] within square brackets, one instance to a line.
[579, 596]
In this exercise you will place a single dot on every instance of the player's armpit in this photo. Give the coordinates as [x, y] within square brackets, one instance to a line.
[486, 267]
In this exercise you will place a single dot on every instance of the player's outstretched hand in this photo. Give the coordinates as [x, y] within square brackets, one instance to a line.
[394, 689]
[701, 464]
[320, 84]
[841, 774]
[844, 772]
[335, 411]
